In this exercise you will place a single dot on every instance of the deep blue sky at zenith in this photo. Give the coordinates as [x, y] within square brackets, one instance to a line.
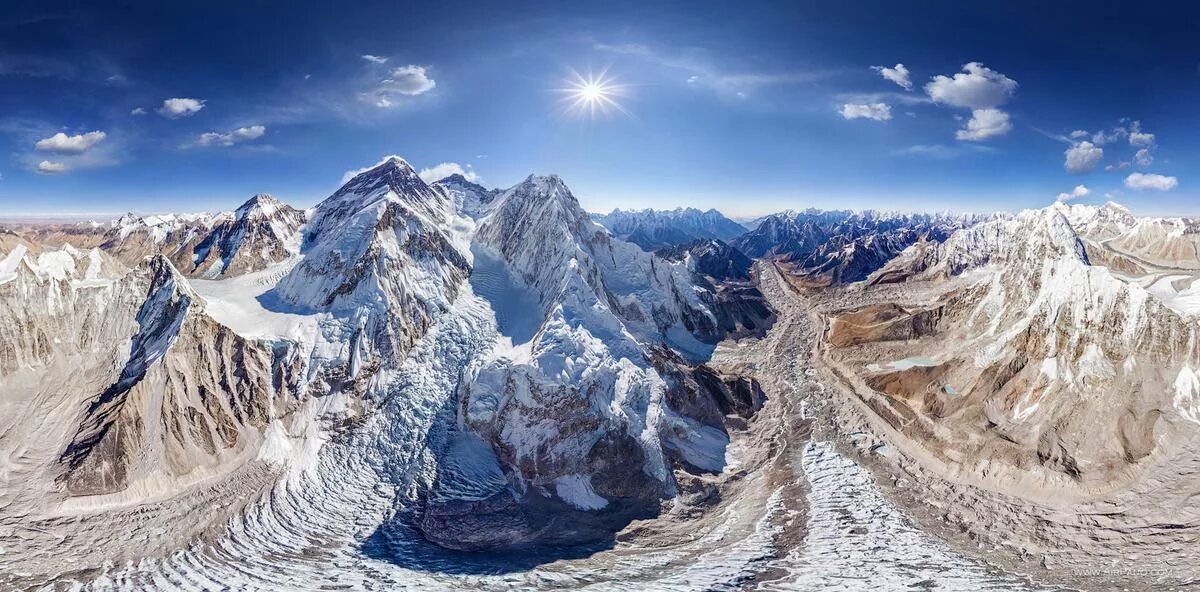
[747, 107]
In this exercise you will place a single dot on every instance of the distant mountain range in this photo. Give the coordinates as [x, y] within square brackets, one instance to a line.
[655, 229]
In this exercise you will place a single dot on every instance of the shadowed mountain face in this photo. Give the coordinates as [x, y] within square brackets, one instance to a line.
[655, 229]
[844, 246]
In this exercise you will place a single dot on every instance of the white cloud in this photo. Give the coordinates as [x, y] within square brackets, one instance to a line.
[984, 124]
[138, 111]
[446, 169]
[1083, 157]
[1078, 191]
[942, 151]
[176, 108]
[61, 143]
[410, 80]
[976, 87]
[876, 111]
[897, 74]
[1079, 134]
[1116, 167]
[1140, 181]
[406, 81]
[241, 134]
[1139, 138]
[51, 168]
[702, 71]
[374, 59]
[1101, 137]
[1143, 157]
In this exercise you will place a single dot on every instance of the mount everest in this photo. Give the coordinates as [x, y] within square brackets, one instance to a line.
[433, 377]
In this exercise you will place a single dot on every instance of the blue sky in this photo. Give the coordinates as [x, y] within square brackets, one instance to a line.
[747, 107]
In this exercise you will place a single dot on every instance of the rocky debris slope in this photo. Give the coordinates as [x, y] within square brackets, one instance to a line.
[656, 229]
[1008, 360]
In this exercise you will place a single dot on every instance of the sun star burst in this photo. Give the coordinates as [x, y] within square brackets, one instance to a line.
[593, 94]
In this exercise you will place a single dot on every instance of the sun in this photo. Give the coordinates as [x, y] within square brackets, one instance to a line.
[592, 94]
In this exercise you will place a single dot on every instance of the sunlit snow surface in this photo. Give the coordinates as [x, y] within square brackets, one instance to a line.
[857, 540]
[337, 524]
[337, 520]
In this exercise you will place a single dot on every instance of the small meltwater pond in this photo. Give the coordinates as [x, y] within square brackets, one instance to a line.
[904, 364]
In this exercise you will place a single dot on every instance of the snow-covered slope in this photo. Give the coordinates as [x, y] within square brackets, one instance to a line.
[379, 251]
[261, 232]
[488, 364]
[587, 419]
[655, 229]
[469, 198]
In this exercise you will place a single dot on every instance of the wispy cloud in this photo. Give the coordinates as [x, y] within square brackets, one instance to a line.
[47, 167]
[446, 169]
[943, 151]
[227, 139]
[875, 111]
[700, 70]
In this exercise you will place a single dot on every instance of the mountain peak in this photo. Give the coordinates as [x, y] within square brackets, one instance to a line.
[262, 204]
[392, 171]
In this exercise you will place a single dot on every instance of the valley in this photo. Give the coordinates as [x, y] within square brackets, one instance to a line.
[444, 386]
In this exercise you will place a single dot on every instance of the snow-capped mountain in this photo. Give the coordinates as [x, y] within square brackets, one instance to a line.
[844, 246]
[380, 251]
[469, 198]
[261, 232]
[1055, 371]
[655, 229]
[599, 377]
[524, 365]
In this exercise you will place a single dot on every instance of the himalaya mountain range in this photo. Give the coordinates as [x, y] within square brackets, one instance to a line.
[446, 386]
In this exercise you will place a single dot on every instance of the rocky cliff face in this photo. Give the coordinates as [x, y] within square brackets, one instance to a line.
[1054, 371]
[727, 280]
[191, 394]
[470, 198]
[261, 232]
